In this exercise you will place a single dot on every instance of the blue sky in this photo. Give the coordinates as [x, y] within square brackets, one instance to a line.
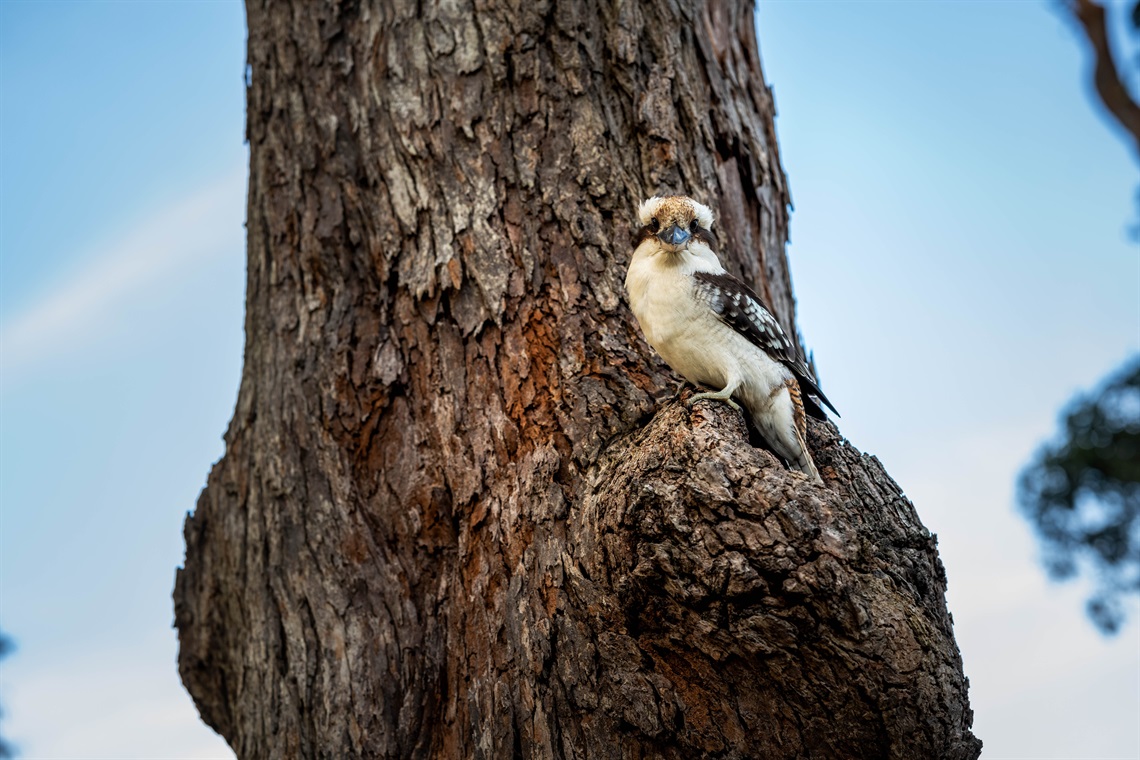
[959, 251]
[121, 284]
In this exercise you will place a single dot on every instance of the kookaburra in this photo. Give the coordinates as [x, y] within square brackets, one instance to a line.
[715, 331]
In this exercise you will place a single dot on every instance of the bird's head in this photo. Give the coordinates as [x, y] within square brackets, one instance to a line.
[674, 220]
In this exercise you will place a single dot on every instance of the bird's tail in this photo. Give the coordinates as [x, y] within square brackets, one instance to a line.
[800, 456]
[806, 465]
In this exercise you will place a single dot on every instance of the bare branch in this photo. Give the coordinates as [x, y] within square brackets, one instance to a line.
[1113, 93]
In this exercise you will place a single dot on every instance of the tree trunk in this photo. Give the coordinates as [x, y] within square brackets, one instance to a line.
[461, 511]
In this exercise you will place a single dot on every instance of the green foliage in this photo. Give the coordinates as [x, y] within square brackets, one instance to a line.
[5, 649]
[1082, 494]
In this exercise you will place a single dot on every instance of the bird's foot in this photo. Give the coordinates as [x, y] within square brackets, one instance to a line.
[715, 397]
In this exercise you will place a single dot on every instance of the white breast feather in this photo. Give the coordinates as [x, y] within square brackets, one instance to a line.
[687, 333]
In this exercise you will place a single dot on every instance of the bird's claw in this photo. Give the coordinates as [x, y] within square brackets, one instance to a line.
[714, 397]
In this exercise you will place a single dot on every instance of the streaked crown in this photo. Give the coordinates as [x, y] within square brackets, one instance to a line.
[676, 210]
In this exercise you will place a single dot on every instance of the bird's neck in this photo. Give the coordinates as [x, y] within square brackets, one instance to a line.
[696, 257]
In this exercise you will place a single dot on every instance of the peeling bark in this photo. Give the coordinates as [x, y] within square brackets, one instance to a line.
[461, 513]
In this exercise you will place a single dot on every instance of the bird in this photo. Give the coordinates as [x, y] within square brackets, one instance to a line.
[715, 331]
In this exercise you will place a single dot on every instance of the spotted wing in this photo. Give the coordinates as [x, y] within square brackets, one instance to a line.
[740, 308]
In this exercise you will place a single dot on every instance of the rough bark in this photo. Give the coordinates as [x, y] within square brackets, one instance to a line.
[461, 511]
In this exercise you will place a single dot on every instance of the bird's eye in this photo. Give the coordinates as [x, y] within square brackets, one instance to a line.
[654, 225]
[693, 227]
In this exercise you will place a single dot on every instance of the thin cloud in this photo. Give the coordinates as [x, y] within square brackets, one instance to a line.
[192, 231]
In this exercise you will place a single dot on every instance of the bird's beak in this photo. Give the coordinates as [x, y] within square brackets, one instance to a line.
[674, 235]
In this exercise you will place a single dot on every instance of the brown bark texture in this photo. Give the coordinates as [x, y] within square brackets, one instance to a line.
[462, 510]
